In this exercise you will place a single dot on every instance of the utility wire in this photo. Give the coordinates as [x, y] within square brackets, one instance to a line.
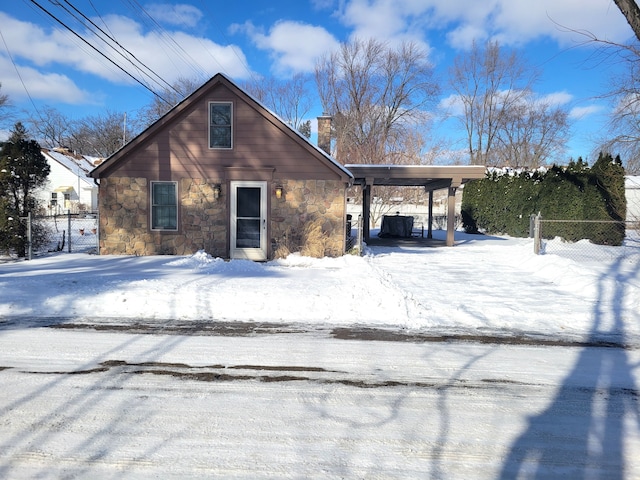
[111, 38]
[98, 51]
[18, 72]
[168, 39]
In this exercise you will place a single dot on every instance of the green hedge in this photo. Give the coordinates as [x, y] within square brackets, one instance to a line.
[502, 202]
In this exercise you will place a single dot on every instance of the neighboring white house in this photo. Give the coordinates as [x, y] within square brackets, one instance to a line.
[69, 187]
[632, 193]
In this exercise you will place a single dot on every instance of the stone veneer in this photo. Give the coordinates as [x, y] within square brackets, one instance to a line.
[124, 219]
[124, 216]
[307, 200]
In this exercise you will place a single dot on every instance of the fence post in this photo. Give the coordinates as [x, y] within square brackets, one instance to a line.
[359, 238]
[29, 236]
[69, 230]
[532, 219]
[536, 235]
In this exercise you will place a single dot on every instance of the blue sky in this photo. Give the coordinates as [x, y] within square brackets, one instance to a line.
[246, 38]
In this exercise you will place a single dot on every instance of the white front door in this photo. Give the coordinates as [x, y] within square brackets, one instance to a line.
[249, 220]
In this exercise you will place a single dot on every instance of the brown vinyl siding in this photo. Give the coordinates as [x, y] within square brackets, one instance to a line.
[180, 148]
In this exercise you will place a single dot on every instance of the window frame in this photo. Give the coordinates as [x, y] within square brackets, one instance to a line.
[153, 206]
[230, 125]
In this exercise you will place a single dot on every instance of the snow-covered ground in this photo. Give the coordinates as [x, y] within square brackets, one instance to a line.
[84, 397]
[483, 285]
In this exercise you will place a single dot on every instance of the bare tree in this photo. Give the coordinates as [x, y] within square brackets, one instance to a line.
[5, 109]
[51, 128]
[631, 12]
[374, 93]
[624, 120]
[410, 147]
[623, 134]
[4, 99]
[289, 99]
[99, 135]
[167, 99]
[531, 133]
[489, 83]
[378, 96]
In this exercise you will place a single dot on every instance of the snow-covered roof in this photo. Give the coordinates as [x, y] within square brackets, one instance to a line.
[631, 182]
[79, 165]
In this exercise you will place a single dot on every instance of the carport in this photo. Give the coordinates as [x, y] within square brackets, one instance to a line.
[431, 177]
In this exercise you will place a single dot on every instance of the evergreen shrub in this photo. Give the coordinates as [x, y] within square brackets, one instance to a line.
[503, 201]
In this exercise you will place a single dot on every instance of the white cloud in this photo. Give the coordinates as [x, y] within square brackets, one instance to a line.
[579, 113]
[180, 14]
[511, 22]
[523, 21]
[389, 21]
[556, 98]
[382, 20]
[464, 36]
[176, 54]
[451, 105]
[294, 46]
[169, 54]
[41, 85]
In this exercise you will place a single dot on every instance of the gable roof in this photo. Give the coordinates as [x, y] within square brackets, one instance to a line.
[177, 110]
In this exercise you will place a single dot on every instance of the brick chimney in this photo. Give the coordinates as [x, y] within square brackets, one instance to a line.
[324, 132]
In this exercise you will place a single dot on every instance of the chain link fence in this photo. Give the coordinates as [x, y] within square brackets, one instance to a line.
[68, 232]
[547, 240]
[354, 242]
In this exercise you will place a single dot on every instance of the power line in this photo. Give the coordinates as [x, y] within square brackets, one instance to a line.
[170, 42]
[112, 39]
[98, 51]
[18, 73]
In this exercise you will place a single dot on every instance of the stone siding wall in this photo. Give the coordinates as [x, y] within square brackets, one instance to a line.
[203, 221]
[304, 201]
[124, 219]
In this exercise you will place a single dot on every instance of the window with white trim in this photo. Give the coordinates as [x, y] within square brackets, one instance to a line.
[220, 121]
[164, 206]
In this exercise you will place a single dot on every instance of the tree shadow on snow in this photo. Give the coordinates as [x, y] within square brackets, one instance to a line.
[581, 433]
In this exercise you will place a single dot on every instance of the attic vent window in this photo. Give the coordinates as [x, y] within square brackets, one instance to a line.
[220, 120]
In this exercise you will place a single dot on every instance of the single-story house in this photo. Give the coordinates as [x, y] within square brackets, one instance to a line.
[69, 187]
[222, 173]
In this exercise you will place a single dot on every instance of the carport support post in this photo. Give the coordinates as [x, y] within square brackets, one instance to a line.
[366, 210]
[430, 221]
[451, 213]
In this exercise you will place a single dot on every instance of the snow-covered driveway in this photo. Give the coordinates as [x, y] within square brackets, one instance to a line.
[87, 404]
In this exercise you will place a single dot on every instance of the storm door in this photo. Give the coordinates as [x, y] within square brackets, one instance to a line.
[249, 220]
